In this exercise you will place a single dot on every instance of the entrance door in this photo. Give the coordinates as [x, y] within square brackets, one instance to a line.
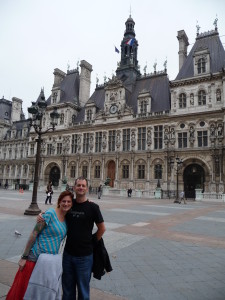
[194, 177]
[111, 172]
[54, 176]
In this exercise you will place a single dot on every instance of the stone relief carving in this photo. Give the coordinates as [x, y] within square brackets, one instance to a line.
[149, 136]
[133, 137]
[104, 140]
[118, 138]
[212, 130]
[66, 144]
[220, 130]
[79, 142]
[91, 142]
[218, 95]
[191, 134]
[191, 99]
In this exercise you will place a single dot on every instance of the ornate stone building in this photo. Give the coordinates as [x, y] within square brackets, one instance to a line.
[136, 129]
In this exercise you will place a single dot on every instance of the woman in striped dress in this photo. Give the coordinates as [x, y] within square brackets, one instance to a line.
[46, 237]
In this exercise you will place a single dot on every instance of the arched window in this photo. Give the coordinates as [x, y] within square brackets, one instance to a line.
[141, 171]
[201, 66]
[201, 97]
[73, 172]
[182, 100]
[158, 171]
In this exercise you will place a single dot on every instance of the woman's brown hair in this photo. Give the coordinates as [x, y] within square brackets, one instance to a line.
[62, 195]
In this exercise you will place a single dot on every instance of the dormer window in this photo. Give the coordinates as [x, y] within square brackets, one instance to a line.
[201, 62]
[61, 119]
[182, 100]
[201, 66]
[89, 115]
[54, 97]
[143, 107]
[201, 98]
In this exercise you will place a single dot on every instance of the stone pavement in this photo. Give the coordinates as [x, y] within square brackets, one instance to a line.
[159, 250]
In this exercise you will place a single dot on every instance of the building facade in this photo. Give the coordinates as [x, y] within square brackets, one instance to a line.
[137, 129]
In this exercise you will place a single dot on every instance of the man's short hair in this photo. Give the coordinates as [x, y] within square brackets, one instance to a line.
[81, 178]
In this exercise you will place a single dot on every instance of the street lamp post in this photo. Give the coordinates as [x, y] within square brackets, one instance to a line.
[37, 110]
[179, 165]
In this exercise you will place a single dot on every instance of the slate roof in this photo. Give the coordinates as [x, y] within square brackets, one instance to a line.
[157, 85]
[98, 97]
[69, 88]
[211, 41]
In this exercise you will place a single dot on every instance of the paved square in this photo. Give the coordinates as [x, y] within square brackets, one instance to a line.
[159, 250]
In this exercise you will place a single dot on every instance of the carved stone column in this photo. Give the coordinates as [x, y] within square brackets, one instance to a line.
[89, 169]
[103, 168]
[77, 166]
[132, 167]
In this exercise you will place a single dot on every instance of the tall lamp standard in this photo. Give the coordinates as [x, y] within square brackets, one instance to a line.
[179, 165]
[37, 110]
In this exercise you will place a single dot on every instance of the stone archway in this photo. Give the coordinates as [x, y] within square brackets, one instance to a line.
[54, 175]
[52, 172]
[193, 177]
[111, 172]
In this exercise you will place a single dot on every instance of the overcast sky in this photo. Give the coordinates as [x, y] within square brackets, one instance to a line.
[38, 36]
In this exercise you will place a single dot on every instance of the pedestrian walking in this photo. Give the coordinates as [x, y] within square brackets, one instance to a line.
[46, 237]
[49, 193]
[99, 191]
[182, 197]
[129, 192]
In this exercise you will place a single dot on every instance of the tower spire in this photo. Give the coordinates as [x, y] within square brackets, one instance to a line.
[129, 47]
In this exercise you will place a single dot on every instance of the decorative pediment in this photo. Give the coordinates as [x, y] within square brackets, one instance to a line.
[114, 83]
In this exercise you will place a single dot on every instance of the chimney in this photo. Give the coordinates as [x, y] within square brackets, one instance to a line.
[183, 44]
[59, 76]
[85, 82]
[16, 109]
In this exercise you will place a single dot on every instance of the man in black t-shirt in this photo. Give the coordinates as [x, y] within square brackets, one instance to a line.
[78, 252]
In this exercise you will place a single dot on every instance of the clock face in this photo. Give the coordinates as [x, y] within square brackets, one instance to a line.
[113, 109]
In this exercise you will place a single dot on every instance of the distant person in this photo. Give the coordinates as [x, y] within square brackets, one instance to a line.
[129, 192]
[49, 193]
[182, 197]
[99, 191]
[46, 237]
[6, 185]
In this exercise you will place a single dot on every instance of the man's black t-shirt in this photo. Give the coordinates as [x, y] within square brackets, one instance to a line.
[80, 222]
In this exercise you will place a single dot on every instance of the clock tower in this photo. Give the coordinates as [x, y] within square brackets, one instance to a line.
[128, 68]
[114, 97]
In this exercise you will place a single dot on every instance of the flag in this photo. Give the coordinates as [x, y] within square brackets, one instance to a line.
[116, 50]
[130, 42]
